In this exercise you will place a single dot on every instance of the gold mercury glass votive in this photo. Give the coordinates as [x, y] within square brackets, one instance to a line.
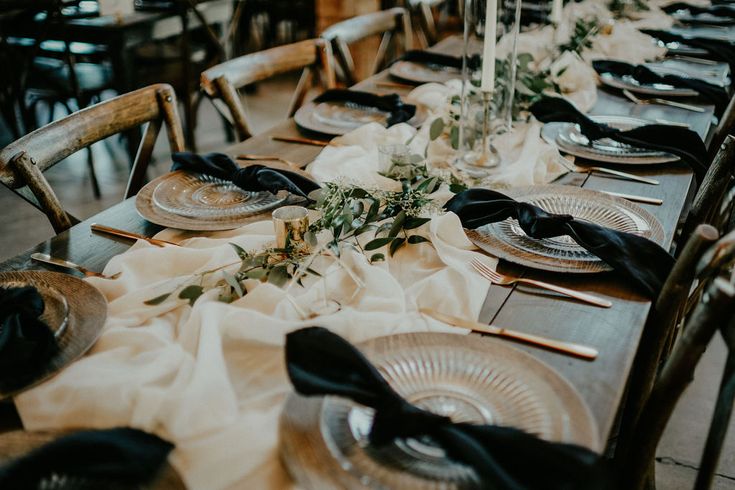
[291, 224]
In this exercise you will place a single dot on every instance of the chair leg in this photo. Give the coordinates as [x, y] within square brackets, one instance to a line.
[93, 174]
[718, 427]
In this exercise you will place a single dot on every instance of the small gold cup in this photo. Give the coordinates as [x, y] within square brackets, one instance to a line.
[291, 224]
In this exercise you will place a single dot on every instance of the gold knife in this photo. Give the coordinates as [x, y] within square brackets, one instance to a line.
[130, 235]
[570, 348]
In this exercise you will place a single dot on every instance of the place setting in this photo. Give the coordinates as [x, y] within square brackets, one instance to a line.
[418, 67]
[212, 192]
[333, 441]
[48, 320]
[337, 112]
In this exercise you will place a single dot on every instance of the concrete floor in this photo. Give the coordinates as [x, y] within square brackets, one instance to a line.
[21, 227]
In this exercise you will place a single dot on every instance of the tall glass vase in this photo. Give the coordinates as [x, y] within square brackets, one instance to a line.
[482, 119]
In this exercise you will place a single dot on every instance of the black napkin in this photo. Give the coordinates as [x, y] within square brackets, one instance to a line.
[682, 142]
[714, 94]
[100, 458]
[392, 103]
[25, 340]
[430, 58]
[717, 11]
[640, 260]
[718, 50]
[320, 362]
[252, 178]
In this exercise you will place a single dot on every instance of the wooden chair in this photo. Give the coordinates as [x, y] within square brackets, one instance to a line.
[23, 161]
[715, 312]
[391, 24]
[423, 12]
[714, 196]
[725, 127]
[222, 82]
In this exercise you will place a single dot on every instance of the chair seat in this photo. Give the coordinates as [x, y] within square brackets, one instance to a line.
[52, 74]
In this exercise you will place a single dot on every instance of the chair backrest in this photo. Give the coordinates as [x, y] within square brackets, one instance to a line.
[392, 24]
[725, 127]
[423, 11]
[714, 191]
[716, 310]
[221, 82]
[668, 310]
[23, 161]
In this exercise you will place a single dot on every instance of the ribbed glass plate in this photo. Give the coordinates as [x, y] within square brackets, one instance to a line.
[467, 378]
[423, 73]
[347, 114]
[568, 138]
[508, 241]
[203, 196]
[338, 118]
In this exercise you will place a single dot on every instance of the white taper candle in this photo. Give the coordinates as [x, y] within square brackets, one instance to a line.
[556, 7]
[488, 53]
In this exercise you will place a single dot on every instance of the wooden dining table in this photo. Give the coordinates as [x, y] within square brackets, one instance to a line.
[616, 332]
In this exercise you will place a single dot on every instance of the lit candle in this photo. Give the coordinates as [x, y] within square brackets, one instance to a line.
[556, 8]
[488, 54]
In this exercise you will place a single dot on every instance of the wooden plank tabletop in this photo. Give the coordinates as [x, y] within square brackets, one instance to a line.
[615, 331]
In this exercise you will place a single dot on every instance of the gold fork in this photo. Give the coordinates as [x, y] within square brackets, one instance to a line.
[572, 167]
[500, 279]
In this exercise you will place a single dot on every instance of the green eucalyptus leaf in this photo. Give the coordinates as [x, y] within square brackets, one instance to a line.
[378, 243]
[396, 244]
[454, 137]
[256, 274]
[157, 300]
[414, 239]
[234, 283]
[397, 223]
[241, 252]
[191, 293]
[414, 222]
[377, 258]
[310, 238]
[278, 276]
[436, 129]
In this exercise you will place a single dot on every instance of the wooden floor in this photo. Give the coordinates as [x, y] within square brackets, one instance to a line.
[21, 227]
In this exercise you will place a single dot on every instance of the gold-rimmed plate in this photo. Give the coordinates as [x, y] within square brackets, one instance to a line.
[414, 72]
[338, 118]
[506, 239]
[324, 440]
[216, 204]
[74, 310]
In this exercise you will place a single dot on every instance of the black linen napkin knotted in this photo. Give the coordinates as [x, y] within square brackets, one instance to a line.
[397, 110]
[252, 178]
[712, 93]
[637, 259]
[320, 363]
[716, 49]
[682, 142]
[430, 58]
[113, 458]
[25, 340]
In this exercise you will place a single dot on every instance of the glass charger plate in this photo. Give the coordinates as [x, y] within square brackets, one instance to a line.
[149, 210]
[657, 89]
[74, 309]
[470, 379]
[717, 33]
[338, 118]
[716, 73]
[568, 138]
[506, 239]
[423, 73]
[204, 196]
[684, 17]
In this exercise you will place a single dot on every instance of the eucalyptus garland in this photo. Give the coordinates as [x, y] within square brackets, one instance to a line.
[582, 36]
